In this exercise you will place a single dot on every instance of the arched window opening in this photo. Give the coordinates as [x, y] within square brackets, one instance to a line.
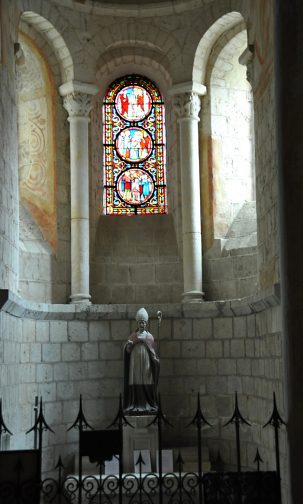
[230, 254]
[232, 139]
[134, 148]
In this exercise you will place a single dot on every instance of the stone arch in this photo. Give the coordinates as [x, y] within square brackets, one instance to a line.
[130, 58]
[40, 250]
[207, 42]
[229, 214]
[56, 41]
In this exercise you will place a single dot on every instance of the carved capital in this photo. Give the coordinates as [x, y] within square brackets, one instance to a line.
[246, 59]
[187, 105]
[77, 104]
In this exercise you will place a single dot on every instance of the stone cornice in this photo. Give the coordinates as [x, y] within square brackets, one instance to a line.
[18, 307]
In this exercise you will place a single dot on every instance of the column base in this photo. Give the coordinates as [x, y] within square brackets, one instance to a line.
[193, 297]
[80, 298]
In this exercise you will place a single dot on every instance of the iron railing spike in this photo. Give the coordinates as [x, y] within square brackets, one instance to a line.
[120, 419]
[3, 428]
[40, 424]
[140, 459]
[179, 459]
[237, 416]
[59, 463]
[80, 421]
[258, 457]
[275, 419]
[199, 418]
[159, 416]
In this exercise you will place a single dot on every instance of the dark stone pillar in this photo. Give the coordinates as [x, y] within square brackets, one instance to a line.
[289, 102]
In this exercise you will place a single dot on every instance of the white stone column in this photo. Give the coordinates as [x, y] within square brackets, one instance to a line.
[187, 105]
[77, 102]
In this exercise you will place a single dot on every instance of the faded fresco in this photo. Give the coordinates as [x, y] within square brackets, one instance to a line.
[37, 162]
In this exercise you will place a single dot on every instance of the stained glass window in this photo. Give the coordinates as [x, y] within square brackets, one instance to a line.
[134, 148]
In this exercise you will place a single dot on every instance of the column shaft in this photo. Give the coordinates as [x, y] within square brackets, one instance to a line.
[191, 210]
[78, 105]
[289, 106]
[187, 106]
[79, 209]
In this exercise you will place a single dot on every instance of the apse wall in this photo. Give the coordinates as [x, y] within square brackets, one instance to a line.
[215, 349]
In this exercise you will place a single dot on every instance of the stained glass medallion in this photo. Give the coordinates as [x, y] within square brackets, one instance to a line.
[134, 148]
[134, 144]
[133, 103]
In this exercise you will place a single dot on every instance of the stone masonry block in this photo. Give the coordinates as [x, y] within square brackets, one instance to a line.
[58, 331]
[77, 330]
[89, 351]
[214, 349]
[51, 352]
[226, 348]
[95, 370]
[65, 390]
[24, 352]
[98, 330]
[249, 348]
[227, 367]
[70, 352]
[202, 329]
[142, 274]
[112, 368]
[77, 370]
[110, 387]
[251, 326]
[193, 349]
[110, 350]
[27, 373]
[216, 385]
[170, 349]
[70, 410]
[53, 413]
[45, 373]
[165, 329]
[244, 367]
[60, 372]
[28, 330]
[223, 328]
[35, 352]
[182, 329]
[47, 391]
[240, 327]
[120, 330]
[185, 367]
[237, 348]
[168, 273]
[208, 367]
[234, 384]
[42, 331]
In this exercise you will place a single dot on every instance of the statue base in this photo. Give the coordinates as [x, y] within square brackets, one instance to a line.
[141, 437]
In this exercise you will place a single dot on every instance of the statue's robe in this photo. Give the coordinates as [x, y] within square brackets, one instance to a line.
[141, 373]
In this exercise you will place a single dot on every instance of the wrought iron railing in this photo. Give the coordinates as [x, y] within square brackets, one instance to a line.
[21, 482]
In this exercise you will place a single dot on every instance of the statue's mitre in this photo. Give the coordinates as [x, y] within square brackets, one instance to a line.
[142, 315]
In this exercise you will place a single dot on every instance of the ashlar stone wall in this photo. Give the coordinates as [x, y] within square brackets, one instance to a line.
[216, 349]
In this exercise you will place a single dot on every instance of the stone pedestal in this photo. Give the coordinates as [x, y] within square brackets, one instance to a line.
[140, 437]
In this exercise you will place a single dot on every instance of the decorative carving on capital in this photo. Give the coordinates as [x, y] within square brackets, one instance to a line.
[77, 104]
[187, 105]
[246, 59]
